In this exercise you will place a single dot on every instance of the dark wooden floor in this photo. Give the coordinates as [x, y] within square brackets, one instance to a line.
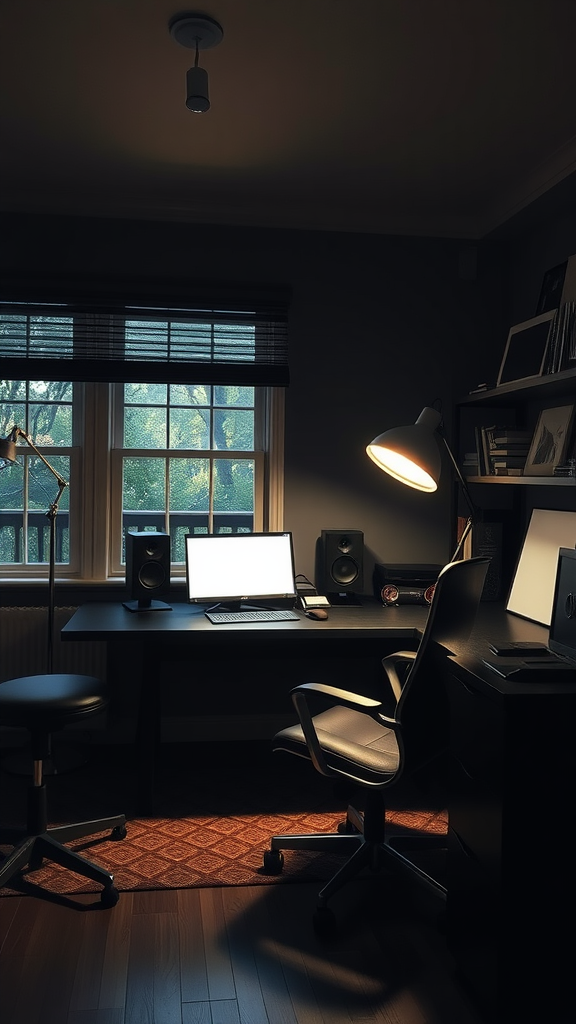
[231, 955]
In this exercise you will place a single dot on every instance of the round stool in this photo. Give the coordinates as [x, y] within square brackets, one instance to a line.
[44, 704]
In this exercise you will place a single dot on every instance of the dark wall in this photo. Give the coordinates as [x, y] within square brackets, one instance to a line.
[379, 327]
[537, 239]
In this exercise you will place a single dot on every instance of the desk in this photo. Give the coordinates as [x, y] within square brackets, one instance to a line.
[511, 878]
[367, 629]
[185, 630]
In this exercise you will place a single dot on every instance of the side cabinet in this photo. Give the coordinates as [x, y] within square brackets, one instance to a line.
[511, 853]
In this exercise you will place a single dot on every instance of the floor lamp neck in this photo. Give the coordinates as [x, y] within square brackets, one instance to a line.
[51, 514]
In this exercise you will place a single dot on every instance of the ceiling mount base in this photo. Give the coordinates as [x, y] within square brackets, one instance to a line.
[195, 30]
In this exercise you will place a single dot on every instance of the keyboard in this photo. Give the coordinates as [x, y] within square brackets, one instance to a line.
[253, 615]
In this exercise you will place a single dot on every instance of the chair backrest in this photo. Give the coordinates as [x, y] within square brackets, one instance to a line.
[423, 706]
[455, 604]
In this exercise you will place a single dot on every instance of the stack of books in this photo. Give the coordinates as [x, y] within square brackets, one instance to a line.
[566, 469]
[561, 351]
[502, 451]
[470, 465]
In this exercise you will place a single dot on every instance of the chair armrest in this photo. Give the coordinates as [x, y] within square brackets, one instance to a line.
[337, 696]
[391, 663]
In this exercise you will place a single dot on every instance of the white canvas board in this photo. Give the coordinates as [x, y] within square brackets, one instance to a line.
[532, 590]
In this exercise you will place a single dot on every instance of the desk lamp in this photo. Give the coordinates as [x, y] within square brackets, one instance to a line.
[412, 454]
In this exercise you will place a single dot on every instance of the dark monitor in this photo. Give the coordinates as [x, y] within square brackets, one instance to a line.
[233, 569]
[562, 638]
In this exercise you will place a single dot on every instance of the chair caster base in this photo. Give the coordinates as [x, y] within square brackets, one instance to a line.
[119, 832]
[109, 896]
[273, 862]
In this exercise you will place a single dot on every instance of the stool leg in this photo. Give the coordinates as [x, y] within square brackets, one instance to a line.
[17, 860]
[37, 820]
[81, 829]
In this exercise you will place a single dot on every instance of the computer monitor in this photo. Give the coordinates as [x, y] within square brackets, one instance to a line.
[237, 569]
[562, 637]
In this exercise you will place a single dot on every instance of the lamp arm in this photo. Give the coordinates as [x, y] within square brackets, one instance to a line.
[472, 510]
[18, 432]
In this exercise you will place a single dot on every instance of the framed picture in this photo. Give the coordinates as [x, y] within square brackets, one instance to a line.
[526, 347]
[550, 441]
[551, 291]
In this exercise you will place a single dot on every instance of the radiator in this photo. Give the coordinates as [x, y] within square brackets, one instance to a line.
[23, 645]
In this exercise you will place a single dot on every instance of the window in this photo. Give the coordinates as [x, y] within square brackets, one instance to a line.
[187, 459]
[44, 410]
[192, 453]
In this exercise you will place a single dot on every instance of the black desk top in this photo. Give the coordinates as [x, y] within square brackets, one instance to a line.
[495, 624]
[112, 621]
[370, 621]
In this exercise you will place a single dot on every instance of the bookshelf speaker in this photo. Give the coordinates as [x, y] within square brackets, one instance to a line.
[147, 569]
[340, 562]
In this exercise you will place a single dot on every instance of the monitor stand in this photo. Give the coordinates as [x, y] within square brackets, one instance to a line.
[147, 605]
[234, 606]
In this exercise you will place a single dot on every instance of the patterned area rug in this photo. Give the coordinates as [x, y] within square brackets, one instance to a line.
[268, 796]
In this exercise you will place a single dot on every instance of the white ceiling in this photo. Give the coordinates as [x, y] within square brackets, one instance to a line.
[433, 117]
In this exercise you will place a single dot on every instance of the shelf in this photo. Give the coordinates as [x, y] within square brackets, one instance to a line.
[527, 481]
[555, 385]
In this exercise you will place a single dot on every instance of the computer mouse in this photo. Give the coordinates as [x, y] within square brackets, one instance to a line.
[317, 613]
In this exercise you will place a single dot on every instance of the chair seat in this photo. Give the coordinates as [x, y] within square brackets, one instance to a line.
[46, 700]
[354, 745]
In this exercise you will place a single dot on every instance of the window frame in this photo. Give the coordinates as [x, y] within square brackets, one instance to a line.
[103, 500]
[99, 308]
[95, 483]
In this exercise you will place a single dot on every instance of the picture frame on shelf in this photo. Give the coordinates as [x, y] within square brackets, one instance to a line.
[550, 440]
[551, 290]
[532, 591]
[526, 348]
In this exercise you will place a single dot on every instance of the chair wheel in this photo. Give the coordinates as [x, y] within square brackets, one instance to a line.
[346, 828]
[324, 922]
[109, 897]
[273, 862]
[119, 832]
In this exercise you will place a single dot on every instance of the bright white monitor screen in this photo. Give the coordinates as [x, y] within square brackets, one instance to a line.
[232, 568]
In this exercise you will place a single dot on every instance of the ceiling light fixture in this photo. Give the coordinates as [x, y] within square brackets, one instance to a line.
[199, 32]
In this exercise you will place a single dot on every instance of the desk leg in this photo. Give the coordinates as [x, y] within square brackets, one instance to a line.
[148, 729]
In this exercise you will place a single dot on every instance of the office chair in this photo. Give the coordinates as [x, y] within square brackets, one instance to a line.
[44, 704]
[373, 743]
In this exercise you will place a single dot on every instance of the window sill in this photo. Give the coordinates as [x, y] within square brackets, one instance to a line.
[71, 592]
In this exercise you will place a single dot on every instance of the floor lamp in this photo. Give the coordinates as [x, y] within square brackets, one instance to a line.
[412, 455]
[8, 456]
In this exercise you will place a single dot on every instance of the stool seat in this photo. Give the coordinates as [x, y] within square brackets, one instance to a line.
[43, 704]
[64, 697]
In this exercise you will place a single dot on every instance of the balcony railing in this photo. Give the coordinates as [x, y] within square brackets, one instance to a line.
[12, 548]
[181, 523]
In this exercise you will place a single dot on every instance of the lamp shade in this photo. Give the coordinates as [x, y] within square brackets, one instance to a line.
[8, 452]
[197, 90]
[410, 454]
